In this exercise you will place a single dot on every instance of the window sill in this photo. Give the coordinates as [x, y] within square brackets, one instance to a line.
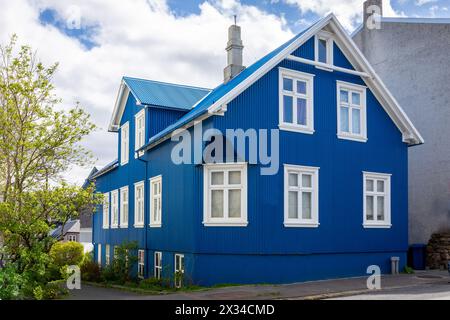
[123, 226]
[124, 163]
[138, 226]
[301, 225]
[155, 225]
[114, 226]
[105, 227]
[377, 226]
[352, 138]
[293, 128]
[225, 224]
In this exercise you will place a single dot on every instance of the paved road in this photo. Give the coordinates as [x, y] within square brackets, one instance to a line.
[436, 291]
[422, 285]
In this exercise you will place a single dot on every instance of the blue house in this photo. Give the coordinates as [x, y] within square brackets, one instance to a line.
[292, 169]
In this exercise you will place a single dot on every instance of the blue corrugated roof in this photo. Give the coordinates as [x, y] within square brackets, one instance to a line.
[166, 95]
[223, 89]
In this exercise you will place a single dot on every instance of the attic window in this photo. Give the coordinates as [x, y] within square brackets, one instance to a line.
[324, 48]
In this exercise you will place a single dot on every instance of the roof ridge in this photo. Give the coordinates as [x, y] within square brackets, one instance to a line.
[168, 83]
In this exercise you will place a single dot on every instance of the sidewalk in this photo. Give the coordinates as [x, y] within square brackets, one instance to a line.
[306, 290]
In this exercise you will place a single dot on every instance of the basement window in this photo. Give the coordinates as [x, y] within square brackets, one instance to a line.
[141, 263]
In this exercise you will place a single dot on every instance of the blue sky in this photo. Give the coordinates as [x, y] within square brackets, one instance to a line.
[296, 18]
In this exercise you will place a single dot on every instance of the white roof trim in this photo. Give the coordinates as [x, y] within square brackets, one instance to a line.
[410, 134]
[119, 107]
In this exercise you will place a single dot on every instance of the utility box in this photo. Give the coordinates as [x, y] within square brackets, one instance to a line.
[418, 256]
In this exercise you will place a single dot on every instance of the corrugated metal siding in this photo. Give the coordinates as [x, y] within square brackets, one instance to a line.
[159, 119]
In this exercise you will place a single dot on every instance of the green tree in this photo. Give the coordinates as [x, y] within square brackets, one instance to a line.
[39, 141]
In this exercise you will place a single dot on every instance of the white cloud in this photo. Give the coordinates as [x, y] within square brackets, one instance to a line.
[422, 2]
[136, 38]
[349, 12]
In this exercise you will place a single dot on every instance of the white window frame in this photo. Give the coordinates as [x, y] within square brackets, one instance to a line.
[137, 223]
[309, 96]
[124, 204]
[114, 209]
[207, 188]
[99, 254]
[328, 37]
[155, 222]
[107, 255]
[314, 190]
[182, 269]
[141, 263]
[105, 210]
[72, 238]
[139, 131]
[124, 143]
[157, 264]
[356, 88]
[375, 223]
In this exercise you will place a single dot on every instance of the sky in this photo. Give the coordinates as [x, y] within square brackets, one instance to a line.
[96, 42]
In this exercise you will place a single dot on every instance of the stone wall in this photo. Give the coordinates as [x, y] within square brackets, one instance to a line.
[438, 251]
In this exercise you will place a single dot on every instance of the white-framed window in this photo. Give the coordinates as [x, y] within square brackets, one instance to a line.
[351, 111]
[179, 270]
[296, 105]
[141, 263]
[155, 201]
[106, 210]
[107, 254]
[125, 143]
[377, 200]
[139, 195]
[72, 238]
[158, 265]
[323, 48]
[225, 194]
[114, 209]
[99, 254]
[124, 207]
[115, 252]
[301, 196]
[140, 129]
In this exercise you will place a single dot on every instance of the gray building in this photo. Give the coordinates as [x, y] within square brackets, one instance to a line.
[412, 57]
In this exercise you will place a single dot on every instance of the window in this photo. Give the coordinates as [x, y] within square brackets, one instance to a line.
[377, 200]
[106, 210]
[114, 209]
[296, 101]
[99, 254]
[324, 48]
[139, 204]
[301, 196]
[140, 129]
[351, 112]
[141, 263]
[124, 143]
[225, 194]
[155, 201]
[124, 207]
[179, 270]
[107, 254]
[72, 238]
[116, 252]
[158, 265]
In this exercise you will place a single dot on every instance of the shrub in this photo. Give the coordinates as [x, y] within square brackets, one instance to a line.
[90, 271]
[124, 259]
[11, 284]
[66, 253]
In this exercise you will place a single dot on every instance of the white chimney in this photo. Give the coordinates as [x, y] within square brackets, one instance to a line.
[234, 53]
